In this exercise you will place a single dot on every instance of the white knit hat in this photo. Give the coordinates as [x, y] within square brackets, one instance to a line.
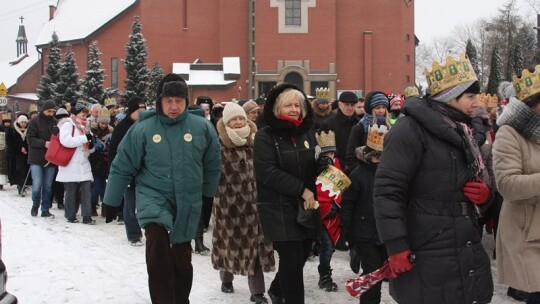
[231, 111]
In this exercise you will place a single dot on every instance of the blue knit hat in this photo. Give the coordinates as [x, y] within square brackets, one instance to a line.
[374, 99]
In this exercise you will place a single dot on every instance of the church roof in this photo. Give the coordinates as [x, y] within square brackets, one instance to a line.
[10, 71]
[211, 75]
[76, 20]
[21, 35]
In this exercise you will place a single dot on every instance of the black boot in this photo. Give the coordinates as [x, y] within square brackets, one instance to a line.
[275, 299]
[325, 279]
[516, 294]
[199, 246]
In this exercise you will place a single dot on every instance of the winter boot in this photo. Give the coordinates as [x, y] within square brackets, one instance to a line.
[34, 211]
[199, 246]
[325, 279]
[275, 299]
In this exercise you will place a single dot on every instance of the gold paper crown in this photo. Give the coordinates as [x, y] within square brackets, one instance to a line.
[455, 72]
[322, 93]
[32, 108]
[488, 101]
[333, 180]
[375, 139]
[528, 84]
[411, 91]
[327, 141]
[110, 102]
[6, 116]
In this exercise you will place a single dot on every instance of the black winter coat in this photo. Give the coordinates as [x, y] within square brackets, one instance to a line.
[357, 215]
[284, 172]
[419, 204]
[342, 126]
[357, 138]
[38, 132]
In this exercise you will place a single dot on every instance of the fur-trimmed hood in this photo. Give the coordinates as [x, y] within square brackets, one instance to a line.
[281, 127]
[224, 138]
[319, 112]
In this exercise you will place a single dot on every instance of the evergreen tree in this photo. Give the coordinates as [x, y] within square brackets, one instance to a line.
[495, 72]
[517, 58]
[470, 51]
[92, 86]
[135, 63]
[47, 86]
[156, 74]
[68, 88]
[510, 64]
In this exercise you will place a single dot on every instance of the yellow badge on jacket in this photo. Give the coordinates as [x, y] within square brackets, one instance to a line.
[156, 138]
[188, 137]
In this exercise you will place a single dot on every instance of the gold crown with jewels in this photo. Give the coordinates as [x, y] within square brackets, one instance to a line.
[528, 84]
[455, 72]
[411, 91]
[327, 141]
[109, 102]
[375, 139]
[322, 93]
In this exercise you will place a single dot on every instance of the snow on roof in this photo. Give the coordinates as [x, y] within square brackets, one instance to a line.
[28, 96]
[209, 76]
[10, 72]
[76, 19]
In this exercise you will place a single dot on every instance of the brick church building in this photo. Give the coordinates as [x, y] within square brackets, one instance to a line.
[241, 48]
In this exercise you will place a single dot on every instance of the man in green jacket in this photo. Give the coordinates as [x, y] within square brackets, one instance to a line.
[175, 160]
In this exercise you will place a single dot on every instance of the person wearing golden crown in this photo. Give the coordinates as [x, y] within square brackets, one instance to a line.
[429, 189]
[321, 107]
[516, 157]
[358, 218]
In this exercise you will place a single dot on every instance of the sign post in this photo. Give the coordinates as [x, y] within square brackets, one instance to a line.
[3, 94]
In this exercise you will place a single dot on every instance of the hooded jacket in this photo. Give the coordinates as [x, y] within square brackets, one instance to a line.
[175, 162]
[284, 162]
[420, 205]
[38, 132]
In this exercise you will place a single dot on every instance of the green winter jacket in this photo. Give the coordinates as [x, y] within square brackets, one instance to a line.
[175, 162]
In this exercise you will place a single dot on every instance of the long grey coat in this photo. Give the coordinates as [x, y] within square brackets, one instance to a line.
[517, 172]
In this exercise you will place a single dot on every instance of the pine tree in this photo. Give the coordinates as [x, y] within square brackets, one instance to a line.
[470, 51]
[47, 86]
[518, 60]
[135, 63]
[495, 73]
[510, 65]
[68, 88]
[156, 74]
[92, 86]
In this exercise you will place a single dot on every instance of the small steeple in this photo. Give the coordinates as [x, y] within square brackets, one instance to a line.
[22, 41]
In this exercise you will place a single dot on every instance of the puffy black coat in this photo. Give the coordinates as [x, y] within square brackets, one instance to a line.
[357, 215]
[283, 175]
[419, 204]
[38, 132]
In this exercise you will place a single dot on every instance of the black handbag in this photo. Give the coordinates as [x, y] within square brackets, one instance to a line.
[309, 219]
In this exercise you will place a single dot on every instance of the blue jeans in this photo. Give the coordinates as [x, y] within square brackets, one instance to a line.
[326, 248]
[98, 189]
[133, 230]
[42, 179]
[70, 200]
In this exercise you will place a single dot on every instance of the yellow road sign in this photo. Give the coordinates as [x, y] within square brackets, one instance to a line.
[3, 90]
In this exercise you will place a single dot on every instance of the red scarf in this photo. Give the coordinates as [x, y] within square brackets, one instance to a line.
[296, 122]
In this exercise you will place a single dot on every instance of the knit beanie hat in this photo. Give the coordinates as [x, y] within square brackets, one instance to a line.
[134, 104]
[49, 104]
[22, 118]
[77, 108]
[374, 99]
[395, 99]
[103, 116]
[250, 106]
[453, 92]
[348, 96]
[61, 113]
[231, 111]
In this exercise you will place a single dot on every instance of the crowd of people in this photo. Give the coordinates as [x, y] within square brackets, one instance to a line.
[404, 182]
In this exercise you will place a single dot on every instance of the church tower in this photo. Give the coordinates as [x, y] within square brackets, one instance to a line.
[22, 41]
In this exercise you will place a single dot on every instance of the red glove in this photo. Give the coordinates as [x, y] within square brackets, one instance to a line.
[400, 263]
[476, 192]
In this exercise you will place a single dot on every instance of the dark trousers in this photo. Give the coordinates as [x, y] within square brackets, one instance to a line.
[533, 298]
[170, 273]
[206, 211]
[372, 256]
[289, 280]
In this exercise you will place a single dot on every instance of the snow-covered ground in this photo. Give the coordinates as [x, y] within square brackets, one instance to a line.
[52, 261]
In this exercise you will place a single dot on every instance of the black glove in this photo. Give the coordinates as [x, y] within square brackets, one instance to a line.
[322, 163]
[354, 261]
[89, 137]
[110, 212]
[341, 245]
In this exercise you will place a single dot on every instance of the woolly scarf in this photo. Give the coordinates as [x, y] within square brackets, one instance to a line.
[367, 121]
[296, 122]
[81, 126]
[21, 131]
[523, 119]
[455, 119]
[238, 136]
